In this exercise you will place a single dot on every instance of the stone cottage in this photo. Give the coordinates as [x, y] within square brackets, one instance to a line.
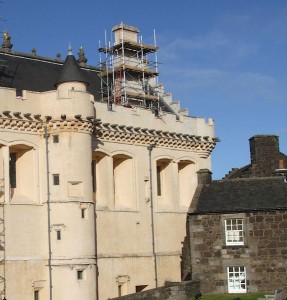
[237, 226]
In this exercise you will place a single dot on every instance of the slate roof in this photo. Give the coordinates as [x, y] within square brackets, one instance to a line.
[71, 71]
[240, 195]
[23, 71]
[27, 72]
[246, 171]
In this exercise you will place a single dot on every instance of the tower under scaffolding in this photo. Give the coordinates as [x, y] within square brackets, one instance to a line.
[129, 70]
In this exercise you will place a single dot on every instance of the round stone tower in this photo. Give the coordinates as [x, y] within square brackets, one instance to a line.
[70, 111]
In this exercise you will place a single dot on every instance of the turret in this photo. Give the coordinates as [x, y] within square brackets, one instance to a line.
[71, 195]
[71, 71]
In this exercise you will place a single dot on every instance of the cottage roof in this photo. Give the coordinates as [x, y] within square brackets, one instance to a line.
[240, 195]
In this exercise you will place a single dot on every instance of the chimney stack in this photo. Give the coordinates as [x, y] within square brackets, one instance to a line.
[204, 176]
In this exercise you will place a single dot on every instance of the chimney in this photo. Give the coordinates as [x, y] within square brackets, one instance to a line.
[125, 32]
[204, 176]
[265, 155]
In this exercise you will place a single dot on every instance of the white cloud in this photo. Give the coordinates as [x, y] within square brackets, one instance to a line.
[236, 86]
[208, 42]
[188, 78]
[179, 45]
[213, 48]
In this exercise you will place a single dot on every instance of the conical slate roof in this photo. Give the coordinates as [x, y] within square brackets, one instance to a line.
[71, 71]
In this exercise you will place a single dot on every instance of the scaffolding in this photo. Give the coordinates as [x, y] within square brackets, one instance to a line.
[129, 76]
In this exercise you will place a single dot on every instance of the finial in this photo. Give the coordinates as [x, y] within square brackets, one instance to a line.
[6, 41]
[58, 55]
[82, 59]
[70, 49]
[34, 52]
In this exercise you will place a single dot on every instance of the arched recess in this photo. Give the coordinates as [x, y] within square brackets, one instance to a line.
[23, 173]
[187, 182]
[101, 171]
[123, 175]
[165, 183]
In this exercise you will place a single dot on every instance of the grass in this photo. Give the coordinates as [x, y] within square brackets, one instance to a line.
[233, 296]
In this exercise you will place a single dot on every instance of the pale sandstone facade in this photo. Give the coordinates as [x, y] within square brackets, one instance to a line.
[24, 207]
[100, 225]
[125, 213]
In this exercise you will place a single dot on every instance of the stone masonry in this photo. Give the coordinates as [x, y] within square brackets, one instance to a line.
[265, 155]
[264, 252]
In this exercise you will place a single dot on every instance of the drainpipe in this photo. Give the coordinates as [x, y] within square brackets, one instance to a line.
[96, 250]
[46, 136]
[150, 148]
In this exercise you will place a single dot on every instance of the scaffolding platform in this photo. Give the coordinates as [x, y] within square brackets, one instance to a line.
[128, 73]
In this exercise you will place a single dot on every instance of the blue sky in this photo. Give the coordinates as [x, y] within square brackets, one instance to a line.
[224, 59]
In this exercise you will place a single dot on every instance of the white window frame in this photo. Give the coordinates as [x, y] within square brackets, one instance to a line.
[236, 279]
[234, 231]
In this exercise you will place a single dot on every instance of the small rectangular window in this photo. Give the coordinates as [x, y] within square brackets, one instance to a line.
[55, 138]
[80, 274]
[83, 213]
[19, 93]
[12, 170]
[122, 282]
[234, 233]
[120, 286]
[59, 236]
[36, 295]
[56, 179]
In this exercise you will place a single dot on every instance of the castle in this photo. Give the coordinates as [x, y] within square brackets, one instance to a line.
[98, 169]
